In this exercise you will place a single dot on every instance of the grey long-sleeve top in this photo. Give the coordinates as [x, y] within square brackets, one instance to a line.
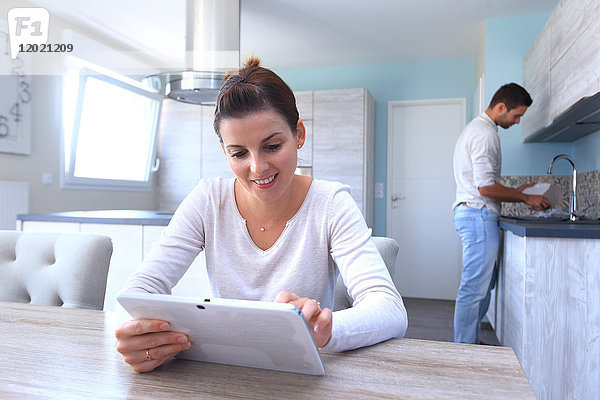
[327, 231]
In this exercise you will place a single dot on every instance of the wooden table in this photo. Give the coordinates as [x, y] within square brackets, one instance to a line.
[52, 352]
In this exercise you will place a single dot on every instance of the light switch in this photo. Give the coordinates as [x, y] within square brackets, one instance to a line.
[378, 190]
[47, 179]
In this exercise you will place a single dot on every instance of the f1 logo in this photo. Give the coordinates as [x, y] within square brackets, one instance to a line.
[27, 26]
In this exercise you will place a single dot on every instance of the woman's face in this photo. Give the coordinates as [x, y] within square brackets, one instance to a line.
[262, 152]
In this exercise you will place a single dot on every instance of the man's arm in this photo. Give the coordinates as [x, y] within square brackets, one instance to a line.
[501, 193]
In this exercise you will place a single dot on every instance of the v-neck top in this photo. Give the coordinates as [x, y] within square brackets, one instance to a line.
[326, 237]
[244, 222]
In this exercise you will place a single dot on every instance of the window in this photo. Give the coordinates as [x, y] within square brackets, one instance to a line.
[110, 130]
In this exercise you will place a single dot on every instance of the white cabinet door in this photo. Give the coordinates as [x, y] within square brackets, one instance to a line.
[43, 226]
[126, 256]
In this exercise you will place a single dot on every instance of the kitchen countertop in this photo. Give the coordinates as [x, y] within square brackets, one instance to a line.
[162, 218]
[125, 217]
[550, 229]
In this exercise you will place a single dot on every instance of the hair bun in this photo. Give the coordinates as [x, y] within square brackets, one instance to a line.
[252, 62]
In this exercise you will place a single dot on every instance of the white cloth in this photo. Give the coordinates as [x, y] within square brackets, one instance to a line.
[327, 230]
[477, 162]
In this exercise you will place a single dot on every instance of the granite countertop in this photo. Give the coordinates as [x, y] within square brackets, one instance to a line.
[551, 229]
[125, 217]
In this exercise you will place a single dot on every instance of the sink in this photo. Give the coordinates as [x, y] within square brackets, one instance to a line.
[554, 220]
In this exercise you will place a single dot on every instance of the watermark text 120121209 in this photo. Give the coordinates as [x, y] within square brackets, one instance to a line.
[28, 32]
[45, 48]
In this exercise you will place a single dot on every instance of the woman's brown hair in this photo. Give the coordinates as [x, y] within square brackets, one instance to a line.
[253, 88]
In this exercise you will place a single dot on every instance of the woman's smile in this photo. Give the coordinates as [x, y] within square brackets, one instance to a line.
[265, 183]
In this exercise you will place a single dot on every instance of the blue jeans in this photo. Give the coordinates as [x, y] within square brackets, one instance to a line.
[480, 236]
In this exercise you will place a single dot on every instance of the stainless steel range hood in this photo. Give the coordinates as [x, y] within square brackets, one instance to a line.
[212, 47]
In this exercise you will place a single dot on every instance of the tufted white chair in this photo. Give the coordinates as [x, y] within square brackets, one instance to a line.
[388, 248]
[57, 269]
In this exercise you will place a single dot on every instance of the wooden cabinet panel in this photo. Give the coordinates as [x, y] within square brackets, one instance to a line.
[213, 160]
[304, 103]
[339, 138]
[575, 75]
[305, 154]
[568, 21]
[546, 308]
[567, 55]
[179, 152]
[536, 78]
[509, 294]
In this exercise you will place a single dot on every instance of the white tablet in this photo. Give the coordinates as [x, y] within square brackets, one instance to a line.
[238, 332]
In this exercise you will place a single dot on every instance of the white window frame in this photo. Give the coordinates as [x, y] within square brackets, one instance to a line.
[72, 107]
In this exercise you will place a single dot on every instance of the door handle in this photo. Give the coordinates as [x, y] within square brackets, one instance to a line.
[396, 198]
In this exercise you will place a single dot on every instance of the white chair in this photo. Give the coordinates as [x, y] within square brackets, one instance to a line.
[57, 269]
[388, 248]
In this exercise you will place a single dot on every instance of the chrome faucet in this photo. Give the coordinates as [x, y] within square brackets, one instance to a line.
[573, 212]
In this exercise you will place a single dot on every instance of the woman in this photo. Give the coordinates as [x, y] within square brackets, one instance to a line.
[268, 234]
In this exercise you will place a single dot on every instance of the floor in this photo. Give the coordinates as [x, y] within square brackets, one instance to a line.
[433, 320]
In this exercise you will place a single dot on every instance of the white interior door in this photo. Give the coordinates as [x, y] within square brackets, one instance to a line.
[421, 190]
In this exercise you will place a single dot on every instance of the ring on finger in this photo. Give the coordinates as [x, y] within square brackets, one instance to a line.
[148, 358]
[318, 304]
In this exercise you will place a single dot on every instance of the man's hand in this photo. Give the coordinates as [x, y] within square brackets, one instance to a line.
[535, 201]
[501, 193]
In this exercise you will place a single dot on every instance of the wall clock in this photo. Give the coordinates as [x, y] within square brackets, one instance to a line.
[15, 98]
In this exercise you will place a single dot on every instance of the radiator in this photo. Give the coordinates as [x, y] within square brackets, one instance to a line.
[14, 199]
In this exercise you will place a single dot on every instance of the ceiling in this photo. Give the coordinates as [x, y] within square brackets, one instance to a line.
[298, 34]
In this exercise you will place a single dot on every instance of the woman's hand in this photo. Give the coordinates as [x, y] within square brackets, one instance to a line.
[146, 343]
[318, 320]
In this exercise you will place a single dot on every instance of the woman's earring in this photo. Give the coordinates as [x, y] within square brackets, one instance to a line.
[299, 146]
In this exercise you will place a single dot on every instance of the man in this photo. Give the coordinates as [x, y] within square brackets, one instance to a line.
[477, 165]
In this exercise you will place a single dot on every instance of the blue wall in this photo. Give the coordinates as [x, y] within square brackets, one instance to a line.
[587, 152]
[390, 82]
[507, 42]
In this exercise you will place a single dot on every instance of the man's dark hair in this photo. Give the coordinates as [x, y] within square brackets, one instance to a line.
[512, 95]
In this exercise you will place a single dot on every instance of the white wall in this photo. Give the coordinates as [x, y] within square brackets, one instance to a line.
[46, 137]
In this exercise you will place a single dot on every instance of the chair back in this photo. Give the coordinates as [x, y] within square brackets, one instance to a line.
[388, 248]
[57, 269]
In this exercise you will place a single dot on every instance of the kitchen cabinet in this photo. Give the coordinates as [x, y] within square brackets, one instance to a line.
[536, 78]
[562, 65]
[545, 306]
[304, 103]
[131, 243]
[189, 150]
[343, 142]
[339, 146]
